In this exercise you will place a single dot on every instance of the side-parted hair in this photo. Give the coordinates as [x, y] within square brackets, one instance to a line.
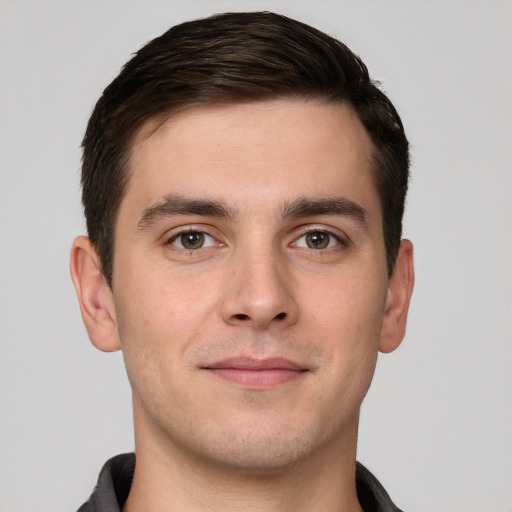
[234, 58]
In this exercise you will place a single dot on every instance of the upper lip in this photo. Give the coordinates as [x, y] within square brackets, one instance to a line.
[250, 363]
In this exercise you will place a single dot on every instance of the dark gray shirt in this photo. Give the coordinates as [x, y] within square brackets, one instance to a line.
[115, 480]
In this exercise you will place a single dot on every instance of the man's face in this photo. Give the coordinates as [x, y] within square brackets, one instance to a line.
[250, 281]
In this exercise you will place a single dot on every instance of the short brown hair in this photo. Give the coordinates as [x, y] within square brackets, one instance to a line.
[233, 58]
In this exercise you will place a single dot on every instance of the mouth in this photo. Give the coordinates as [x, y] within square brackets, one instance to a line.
[256, 373]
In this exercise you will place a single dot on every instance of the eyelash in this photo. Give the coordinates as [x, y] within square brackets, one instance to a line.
[332, 236]
[343, 242]
[191, 230]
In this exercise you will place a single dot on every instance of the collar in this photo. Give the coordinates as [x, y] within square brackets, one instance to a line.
[115, 480]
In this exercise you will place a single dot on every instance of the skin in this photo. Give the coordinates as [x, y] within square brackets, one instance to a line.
[255, 289]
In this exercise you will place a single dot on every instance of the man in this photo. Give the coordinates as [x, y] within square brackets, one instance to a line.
[244, 185]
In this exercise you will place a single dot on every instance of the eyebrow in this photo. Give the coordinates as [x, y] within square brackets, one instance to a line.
[175, 205]
[330, 206]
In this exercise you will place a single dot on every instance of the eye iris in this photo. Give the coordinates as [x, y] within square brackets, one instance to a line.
[192, 240]
[317, 240]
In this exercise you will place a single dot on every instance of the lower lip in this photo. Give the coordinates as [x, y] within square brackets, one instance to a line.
[261, 379]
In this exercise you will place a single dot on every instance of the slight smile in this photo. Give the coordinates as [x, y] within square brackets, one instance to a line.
[256, 373]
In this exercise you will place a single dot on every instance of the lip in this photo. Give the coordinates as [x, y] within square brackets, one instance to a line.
[256, 373]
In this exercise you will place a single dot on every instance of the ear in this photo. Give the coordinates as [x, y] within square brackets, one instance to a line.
[94, 295]
[400, 288]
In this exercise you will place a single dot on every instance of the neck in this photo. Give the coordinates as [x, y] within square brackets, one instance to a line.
[168, 478]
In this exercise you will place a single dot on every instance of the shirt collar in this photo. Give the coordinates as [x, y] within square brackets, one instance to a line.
[116, 477]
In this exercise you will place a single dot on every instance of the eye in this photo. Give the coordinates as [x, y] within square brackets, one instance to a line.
[317, 240]
[191, 240]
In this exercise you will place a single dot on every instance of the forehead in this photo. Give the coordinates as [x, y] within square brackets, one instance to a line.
[282, 149]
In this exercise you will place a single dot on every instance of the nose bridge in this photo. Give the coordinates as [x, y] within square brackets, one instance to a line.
[259, 292]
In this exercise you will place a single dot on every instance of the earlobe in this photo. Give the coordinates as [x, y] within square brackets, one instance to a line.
[94, 296]
[398, 299]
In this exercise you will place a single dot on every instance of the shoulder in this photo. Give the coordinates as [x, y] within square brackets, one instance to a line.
[113, 485]
[370, 493]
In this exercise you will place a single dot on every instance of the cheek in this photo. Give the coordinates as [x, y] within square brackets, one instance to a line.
[158, 298]
[349, 304]
[153, 338]
[347, 316]
[158, 317]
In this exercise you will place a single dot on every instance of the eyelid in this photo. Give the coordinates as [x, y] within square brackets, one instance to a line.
[337, 234]
[175, 233]
[332, 243]
[209, 241]
[341, 237]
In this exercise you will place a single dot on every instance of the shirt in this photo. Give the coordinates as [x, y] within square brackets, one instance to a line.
[115, 480]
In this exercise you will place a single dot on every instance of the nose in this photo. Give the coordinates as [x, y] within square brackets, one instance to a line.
[259, 292]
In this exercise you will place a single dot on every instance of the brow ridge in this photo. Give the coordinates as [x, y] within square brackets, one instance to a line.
[174, 205]
[306, 207]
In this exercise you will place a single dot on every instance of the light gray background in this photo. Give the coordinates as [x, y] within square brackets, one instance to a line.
[436, 427]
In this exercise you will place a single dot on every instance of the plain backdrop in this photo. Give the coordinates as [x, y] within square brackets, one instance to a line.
[436, 427]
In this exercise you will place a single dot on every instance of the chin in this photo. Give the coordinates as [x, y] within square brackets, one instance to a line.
[261, 456]
[264, 449]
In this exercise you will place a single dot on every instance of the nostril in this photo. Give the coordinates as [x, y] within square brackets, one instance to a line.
[244, 317]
